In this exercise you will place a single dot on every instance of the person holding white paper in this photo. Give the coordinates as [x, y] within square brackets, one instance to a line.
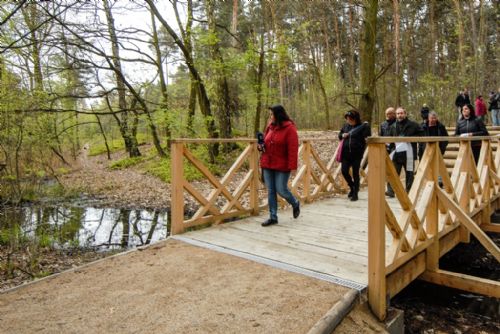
[403, 154]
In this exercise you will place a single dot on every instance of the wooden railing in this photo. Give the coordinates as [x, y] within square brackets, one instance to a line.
[432, 219]
[239, 190]
[402, 245]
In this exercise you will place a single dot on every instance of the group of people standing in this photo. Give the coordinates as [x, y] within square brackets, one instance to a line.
[480, 111]
[404, 155]
[279, 148]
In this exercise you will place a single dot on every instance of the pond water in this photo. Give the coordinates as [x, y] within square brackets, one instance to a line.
[87, 227]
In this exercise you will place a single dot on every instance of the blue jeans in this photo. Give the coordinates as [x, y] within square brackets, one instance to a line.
[277, 183]
[495, 117]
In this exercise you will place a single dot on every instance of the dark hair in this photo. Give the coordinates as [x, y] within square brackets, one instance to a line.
[471, 108]
[353, 114]
[424, 112]
[279, 113]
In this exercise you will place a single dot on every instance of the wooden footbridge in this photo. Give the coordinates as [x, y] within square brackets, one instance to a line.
[376, 244]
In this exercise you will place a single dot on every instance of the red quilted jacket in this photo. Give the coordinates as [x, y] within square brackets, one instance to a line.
[281, 144]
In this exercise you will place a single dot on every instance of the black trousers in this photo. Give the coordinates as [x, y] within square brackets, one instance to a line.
[354, 162]
[476, 151]
[399, 161]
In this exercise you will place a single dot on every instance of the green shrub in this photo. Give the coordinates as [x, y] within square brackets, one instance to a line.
[162, 169]
[100, 148]
[62, 171]
[56, 190]
[159, 168]
[45, 241]
[42, 274]
[125, 163]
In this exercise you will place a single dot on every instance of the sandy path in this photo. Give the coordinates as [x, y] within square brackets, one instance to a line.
[170, 287]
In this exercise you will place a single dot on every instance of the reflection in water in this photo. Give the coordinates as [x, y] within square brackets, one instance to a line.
[83, 227]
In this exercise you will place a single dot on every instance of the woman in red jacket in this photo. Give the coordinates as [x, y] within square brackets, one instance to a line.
[278, 160]
[481, 109]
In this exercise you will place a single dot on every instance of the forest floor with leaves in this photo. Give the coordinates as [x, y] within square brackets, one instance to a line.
[133, 188]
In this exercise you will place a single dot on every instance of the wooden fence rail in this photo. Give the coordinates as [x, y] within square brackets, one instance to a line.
[239, 188]
[451, 198]
[433, 219]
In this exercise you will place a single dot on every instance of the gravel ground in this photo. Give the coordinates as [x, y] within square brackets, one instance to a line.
[172, 287]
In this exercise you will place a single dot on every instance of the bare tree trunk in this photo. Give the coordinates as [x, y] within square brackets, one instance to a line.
[321, 86]
[31, 18]
[367, 60]
[202, 93]
[461, 38]
[474, 43]
[234, 23]
[432, 23]
[351, 39]
[481, 47]
[279, 42]
[163, 83]
[338, 50]
[108, 151]
[130, 140]
[397, 49]
[222, 88]
[186, 38]
[258, 86]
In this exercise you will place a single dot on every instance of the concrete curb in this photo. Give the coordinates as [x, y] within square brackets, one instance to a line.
[332, 318]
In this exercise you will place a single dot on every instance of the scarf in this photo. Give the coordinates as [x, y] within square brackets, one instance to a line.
[405, 147]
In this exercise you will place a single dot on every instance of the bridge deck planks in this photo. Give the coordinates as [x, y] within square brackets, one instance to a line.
[330, 237]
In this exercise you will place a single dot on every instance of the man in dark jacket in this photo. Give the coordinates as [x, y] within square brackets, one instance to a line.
[494, 108]
[404, 154]
[390, 118]
[462, 99]
[468, 126]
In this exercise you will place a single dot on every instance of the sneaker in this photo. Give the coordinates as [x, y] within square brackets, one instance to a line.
[296, 210]
[354, 197]
[269, 222]
[389, 193]
[349, 195]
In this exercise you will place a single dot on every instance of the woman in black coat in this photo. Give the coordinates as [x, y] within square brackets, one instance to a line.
[354, 134]
[468, 125]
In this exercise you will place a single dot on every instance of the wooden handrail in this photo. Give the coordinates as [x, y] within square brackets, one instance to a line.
[240, 140]
[313, 179]
[427, 226]
[428, 212]
[451, 139]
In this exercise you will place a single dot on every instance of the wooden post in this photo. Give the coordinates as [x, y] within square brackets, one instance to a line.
[432, 217]
[254, 183]
[376, 230]
[177, 198]
[486, 214]
[485, 180]
[307, 178]
[463, 199]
